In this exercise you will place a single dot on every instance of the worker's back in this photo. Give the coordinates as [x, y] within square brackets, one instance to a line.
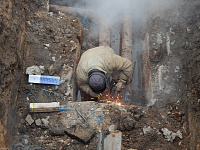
[103, 59]
[95, 58]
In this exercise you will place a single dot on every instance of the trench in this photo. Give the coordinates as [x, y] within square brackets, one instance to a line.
[138, 86]
[120, 37]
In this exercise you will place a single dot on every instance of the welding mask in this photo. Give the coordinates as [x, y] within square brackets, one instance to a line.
[97, 81]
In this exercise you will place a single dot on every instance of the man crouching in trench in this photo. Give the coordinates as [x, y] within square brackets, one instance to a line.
[95, 67]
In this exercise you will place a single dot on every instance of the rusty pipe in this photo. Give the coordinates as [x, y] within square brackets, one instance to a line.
[147, 70]
[104, 36]
[104, 31]
[127, 46]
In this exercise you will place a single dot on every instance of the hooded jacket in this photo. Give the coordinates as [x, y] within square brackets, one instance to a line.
[104, 59]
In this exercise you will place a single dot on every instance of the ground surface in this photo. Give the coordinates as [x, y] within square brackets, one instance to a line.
[29, 36]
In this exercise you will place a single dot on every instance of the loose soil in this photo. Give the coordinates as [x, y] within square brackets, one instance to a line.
[30, 35]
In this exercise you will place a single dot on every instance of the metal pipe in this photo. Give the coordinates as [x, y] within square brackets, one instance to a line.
[147, 70]
[104, 36]
[127, 38]
[100, 141]
[104, 31]
[127, 47]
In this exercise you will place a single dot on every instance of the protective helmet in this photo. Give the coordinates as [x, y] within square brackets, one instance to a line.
[97, 81]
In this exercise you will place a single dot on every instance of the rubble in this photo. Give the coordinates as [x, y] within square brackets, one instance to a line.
[112, 128]
[177, 69]
[35, 70]
[47, 45]
[82, 134]
[73, 46]
[55, 68]
[38, 122]
[35, 29]
[65, 82]
[146, 130]
[53, 59]
[29, 119]
[57, 131]
[170, 136]
[66, 73]
[127, 123]
[56, 39]
[45, 122]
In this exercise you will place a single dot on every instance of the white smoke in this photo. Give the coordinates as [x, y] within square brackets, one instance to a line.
[140, 10]
[112, 11]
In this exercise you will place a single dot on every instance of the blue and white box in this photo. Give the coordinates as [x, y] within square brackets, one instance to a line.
[54, 80]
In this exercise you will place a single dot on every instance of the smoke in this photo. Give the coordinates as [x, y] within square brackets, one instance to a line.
[113, 11]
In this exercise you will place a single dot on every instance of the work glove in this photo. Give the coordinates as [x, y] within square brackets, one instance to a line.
[88, 90]
[93, 94]
[120, 85]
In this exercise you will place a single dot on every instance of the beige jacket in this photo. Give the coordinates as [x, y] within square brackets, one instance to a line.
[104, 59]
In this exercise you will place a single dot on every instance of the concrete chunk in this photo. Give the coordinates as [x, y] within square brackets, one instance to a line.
[82, 134]
[35, 70]
[38, 122]
[113, 141]
[29, 119]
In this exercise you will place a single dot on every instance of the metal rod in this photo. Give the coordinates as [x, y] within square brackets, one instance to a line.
[80, 114]
[99, 146]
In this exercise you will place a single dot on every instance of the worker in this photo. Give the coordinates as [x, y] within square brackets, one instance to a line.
[97, 65]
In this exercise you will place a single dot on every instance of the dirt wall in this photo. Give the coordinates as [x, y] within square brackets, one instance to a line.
[12, 47]
[192, 65]
[183, 27]
[13, 50]
[12, 29]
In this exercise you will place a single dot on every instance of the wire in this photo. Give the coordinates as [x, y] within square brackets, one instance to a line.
[48, 94]
[30, 93]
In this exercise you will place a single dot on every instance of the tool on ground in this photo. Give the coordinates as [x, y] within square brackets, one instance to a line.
[100, 141]
[41, 79]
[48, 107]
[102, 135]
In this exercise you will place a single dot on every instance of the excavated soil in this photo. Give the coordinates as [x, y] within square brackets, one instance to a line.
[29, 35]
